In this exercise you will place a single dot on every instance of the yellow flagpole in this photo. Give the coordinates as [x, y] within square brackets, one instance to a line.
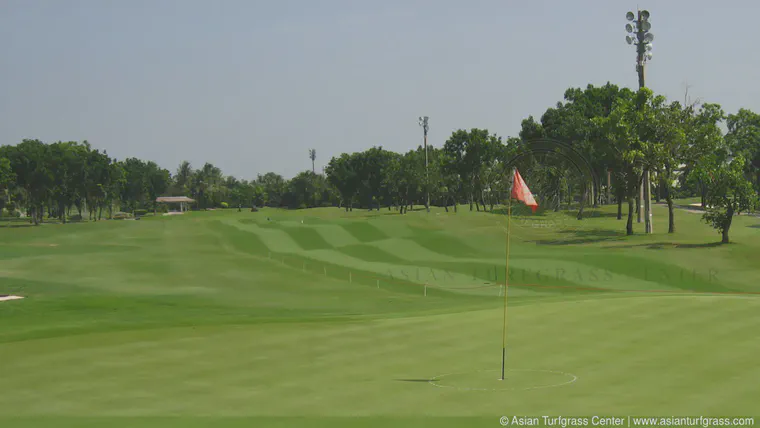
[506, 278]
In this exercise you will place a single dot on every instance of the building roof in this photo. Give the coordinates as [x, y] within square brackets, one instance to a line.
[174, 199]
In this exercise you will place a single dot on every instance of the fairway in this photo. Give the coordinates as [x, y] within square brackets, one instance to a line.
[230, 318]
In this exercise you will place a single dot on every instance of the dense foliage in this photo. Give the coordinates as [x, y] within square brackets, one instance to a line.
[619, 134]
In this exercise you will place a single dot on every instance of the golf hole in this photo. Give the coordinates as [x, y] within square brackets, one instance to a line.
[514, 380]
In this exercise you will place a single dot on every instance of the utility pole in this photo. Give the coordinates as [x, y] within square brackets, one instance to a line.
[639, 27]
[424, 124]
[313, 157]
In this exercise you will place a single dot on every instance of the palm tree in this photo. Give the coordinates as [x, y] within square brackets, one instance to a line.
[183, 176]
[312, 156]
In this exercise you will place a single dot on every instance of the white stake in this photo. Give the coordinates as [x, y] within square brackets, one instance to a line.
[325, 269]
[425, 290]
[378, 283]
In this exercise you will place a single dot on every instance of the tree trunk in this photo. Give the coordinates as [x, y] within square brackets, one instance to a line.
[594, 194]
[100, 212]
[648, 202]
[609, 188]
[669, 200]
[629, 224]
[583, 203]
[470, 201]
[619, 195]
[638, 207]
[658, 189]
[620, 209]
[703, 195]
[727, 224]
[62, 212]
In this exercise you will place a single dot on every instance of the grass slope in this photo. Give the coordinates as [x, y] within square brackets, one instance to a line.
[373, 319]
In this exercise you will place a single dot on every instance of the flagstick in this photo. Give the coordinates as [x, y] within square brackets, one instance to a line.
[506, 281]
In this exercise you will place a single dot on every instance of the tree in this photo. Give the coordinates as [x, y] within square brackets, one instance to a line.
[341, 173]
[157, 181]
[182, 178]
[65, 164]
[743, 138]
[29, 162]
[6, 178]
[274, 186]
[729, 193]
[704, 138]
[368, 166]
[467, 154]
[622, 129]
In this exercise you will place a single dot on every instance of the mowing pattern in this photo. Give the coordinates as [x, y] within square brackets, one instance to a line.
[339, 314]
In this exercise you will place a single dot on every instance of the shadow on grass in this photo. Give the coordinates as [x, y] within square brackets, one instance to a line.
[521, 210]
[665, 245]
[417, 380]
[587, 213]
[583, 237]
[15, 225]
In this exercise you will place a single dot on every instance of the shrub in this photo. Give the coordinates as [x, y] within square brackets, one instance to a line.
[140, 212]
[121, 215]
[75, 217]
[10, 212]
[225, 205]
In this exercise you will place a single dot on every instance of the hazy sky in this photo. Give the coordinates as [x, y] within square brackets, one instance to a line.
[252, 85]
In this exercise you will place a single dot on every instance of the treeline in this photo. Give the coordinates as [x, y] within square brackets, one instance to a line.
[63, 180]
[622, 137]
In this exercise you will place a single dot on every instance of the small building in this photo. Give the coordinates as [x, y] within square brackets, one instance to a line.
[181, 200]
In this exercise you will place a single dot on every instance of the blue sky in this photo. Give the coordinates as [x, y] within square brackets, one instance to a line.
[252, 85]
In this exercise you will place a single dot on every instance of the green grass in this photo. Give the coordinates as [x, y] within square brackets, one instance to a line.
[229, 319]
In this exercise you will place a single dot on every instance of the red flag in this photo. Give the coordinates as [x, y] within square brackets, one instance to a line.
[521, 192]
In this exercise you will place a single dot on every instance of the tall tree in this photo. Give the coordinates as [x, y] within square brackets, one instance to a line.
[157, 182]
[183, 178]
[29, 162]
[342, 173]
